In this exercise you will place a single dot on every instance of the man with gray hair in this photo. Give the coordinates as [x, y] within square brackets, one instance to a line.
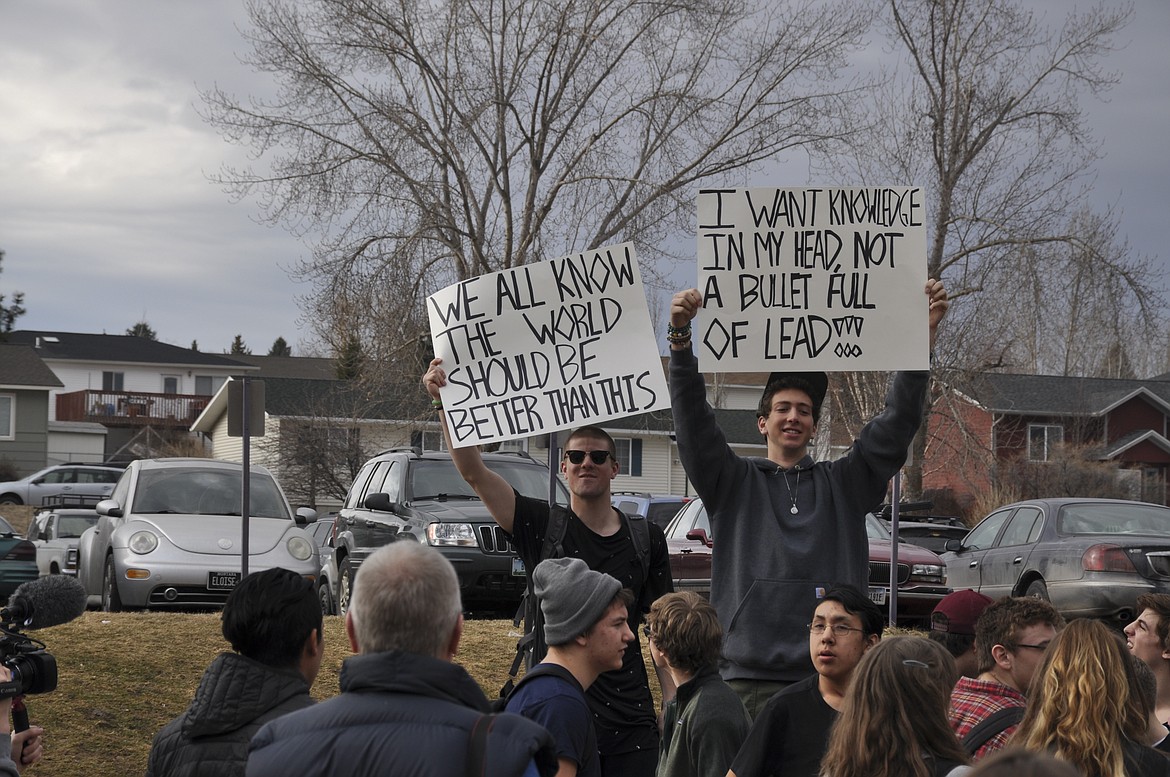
[404, 707]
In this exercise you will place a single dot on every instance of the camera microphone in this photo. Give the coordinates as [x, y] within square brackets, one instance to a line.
[46, 601]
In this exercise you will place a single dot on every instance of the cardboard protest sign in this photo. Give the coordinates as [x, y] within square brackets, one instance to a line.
[801, 279]
[547, 346]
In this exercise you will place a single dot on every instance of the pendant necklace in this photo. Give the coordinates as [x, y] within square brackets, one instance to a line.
[791, 491]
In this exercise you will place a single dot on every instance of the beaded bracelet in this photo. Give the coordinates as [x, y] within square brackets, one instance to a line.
[437, 404]
[678, 334]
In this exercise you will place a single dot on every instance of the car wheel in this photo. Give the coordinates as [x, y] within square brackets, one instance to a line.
[1037, 590]
[111, 600]
[345, 586]
[325, 598]
[10, 499]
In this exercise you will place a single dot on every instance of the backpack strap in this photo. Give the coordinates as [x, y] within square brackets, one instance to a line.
[477, 746]
[993, 724]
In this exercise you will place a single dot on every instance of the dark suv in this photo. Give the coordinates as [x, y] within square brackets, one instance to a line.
[408, 494]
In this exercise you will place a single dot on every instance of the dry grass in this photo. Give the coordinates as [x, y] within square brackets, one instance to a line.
[122, 676]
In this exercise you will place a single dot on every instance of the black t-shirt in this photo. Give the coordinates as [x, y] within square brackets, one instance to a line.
[623, 710]
[789, 736]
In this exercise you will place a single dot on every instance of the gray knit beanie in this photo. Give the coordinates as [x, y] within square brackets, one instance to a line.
[572, 597]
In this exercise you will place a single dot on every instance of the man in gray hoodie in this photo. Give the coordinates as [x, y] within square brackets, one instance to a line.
[787, 528]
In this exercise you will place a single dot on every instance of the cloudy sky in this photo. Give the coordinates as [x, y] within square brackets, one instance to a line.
[107, 217]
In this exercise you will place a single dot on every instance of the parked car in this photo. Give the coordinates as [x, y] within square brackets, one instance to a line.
[656, 508]
[61, 480]
[918, 527]
[921, 579]
[1089, 557]
[406, 493]
[18, 560]
[170, 535]
[55, 533]
[323, 530]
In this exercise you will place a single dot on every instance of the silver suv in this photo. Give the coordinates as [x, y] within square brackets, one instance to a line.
[64, 484]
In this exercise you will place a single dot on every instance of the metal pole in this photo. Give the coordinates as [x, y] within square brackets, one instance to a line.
[897, 499]
[246, 485]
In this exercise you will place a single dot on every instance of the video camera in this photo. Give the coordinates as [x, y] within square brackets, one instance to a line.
[37, 604]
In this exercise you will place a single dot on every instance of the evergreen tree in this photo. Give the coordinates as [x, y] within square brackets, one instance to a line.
[239, 347]
[280, 348]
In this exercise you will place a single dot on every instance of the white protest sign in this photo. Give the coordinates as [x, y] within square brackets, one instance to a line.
[802, 279]
[547, 346]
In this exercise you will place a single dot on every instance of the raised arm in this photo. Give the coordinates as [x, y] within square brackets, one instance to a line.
[939, 304]
[497, 494]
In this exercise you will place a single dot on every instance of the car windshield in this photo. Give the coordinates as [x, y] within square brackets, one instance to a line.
[1104, 518]
[694, 516]
[875, 529]
[200, 491]
[431, 478]
[70, 527]
[6, 527]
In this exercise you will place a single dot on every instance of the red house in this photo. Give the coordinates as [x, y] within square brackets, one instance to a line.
[988, 421]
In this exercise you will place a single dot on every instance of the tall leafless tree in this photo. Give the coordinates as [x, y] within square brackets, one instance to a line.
[423, 142]
[982, 108]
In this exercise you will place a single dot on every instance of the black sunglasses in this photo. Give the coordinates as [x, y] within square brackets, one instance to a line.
[597, 457]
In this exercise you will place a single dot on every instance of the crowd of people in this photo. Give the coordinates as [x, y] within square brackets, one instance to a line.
[783, 672]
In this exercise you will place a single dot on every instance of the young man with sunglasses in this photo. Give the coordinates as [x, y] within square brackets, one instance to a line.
[597, 533]
[787, 526]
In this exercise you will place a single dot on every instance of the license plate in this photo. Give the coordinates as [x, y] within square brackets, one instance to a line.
[222, 581]
[878, 595]
[518, 567]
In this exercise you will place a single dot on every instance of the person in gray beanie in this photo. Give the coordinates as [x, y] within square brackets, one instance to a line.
[586, 626]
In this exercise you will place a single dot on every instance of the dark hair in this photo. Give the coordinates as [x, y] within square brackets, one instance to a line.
[764, 409]
[857, 603]
[1018, 762]
[593, 431]
[1159, 603]
[269, 616]
[1002, 622]
[956, 644]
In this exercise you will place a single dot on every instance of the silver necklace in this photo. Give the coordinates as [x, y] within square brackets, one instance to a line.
[792, 492]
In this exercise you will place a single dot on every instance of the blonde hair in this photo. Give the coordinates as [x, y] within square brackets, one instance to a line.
[895, 713]
[1080, 707]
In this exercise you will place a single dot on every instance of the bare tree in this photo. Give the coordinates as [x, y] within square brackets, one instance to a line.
[982, 109]
[426, 143]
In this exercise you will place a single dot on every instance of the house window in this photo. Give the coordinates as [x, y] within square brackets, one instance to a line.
[112, 381]
[206, 385]
[629, 456]
[170, 384]
[7, 417]
[1042, 441]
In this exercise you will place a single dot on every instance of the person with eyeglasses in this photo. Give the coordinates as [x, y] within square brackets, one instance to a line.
[600, 535]
[790, 734]
[1011, 636]
[787, 525]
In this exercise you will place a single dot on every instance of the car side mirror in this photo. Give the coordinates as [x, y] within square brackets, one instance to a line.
[954, 546]
[109, 507]
[700, 535]
[380, 502]
[305, 515]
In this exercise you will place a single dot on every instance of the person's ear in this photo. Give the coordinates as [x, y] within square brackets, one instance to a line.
[871, 641]
[1002, 656]
[761, 424]
[351, 634]
[456, 635]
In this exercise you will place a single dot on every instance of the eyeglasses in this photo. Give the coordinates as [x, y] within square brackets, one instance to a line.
[597, 457]
[836, 629]
[1034, 647]
[646, 631]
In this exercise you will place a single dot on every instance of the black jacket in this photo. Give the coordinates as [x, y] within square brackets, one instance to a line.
[235, 698]
[398, 714]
